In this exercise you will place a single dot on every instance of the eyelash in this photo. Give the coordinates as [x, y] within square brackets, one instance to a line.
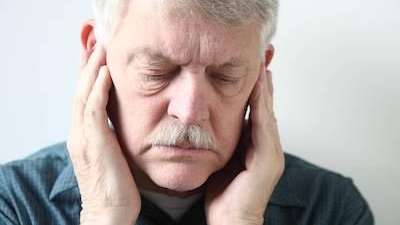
[161, 76]
[225, 80]
[222, 79]
[154, 77]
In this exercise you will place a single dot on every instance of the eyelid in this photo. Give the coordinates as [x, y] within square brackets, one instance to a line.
[227, 77]
[156, 71]
[224, 80]
[159, 74]
[153, 77]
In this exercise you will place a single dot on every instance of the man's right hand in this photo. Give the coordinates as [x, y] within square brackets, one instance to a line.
[108, 191]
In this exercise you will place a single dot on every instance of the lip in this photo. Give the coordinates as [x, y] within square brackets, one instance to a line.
[174, 150]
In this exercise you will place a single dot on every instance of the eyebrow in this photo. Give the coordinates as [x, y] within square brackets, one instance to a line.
[157, 56]
[147, 52]
[232, 63]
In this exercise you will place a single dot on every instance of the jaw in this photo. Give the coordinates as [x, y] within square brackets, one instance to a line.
[173, 180]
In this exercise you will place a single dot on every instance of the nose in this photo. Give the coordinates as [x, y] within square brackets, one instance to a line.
[189, 99]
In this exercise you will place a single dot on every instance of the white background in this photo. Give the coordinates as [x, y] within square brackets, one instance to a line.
[336, 76]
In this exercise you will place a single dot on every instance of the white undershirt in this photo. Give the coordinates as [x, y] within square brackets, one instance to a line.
[174, 206]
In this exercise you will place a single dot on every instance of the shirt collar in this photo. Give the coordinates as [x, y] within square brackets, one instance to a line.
[285, 193]
[64, 182]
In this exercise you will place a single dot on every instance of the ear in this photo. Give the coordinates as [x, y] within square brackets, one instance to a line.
[269, 54]
[88, 38]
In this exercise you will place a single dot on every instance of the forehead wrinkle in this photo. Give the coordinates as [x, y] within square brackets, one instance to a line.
[149, 53]
[194, 47]
[211, 49]
[156, 56]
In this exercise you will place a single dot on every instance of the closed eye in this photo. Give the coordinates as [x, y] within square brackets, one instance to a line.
[159, 75]
[224, 79]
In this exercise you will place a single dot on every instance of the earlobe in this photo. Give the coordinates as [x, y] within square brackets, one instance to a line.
[269, 54]
[88, 38]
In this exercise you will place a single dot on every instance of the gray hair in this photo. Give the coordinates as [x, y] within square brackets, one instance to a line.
[173, 133]
[107, 14]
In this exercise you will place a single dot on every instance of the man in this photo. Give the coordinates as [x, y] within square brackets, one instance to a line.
[175, 78]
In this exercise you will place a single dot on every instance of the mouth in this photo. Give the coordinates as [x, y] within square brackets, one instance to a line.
[181, 152]
[181, 144]
[183, 147]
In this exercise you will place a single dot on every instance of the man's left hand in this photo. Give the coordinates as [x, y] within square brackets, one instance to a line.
[240, 192]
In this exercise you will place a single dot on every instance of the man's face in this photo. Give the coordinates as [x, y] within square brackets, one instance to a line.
[190, 71]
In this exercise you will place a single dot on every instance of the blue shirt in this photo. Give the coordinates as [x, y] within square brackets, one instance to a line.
[41, 190]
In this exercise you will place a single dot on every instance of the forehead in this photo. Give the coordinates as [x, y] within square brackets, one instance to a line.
[149, 30]
[156, 57]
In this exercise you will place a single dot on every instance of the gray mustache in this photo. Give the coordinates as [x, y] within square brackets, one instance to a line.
[178, 134]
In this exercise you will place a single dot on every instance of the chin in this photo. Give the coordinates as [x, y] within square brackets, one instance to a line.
[179, 177]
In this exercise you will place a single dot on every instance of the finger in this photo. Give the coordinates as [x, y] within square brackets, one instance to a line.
[86, 81]
[264, 101]
[268, 93]
[266, 150]
[262, 116]
[85, 57]
[96, 59]
[256, 101]
[269, 83]
[95, 114]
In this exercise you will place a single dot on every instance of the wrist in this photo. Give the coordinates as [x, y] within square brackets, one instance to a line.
[247, 221]
[114, 216]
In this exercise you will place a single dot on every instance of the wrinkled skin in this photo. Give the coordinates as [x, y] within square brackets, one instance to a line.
[176, 73]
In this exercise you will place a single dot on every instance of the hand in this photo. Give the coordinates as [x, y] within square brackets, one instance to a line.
[240, 192]
[108, 191]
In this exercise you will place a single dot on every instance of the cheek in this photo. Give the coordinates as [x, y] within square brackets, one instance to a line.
[227, 124]
[139, 118]
[227, 118]
[137, 115]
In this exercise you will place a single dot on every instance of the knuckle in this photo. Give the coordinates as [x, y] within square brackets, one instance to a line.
[79, 102]
[91, 113]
